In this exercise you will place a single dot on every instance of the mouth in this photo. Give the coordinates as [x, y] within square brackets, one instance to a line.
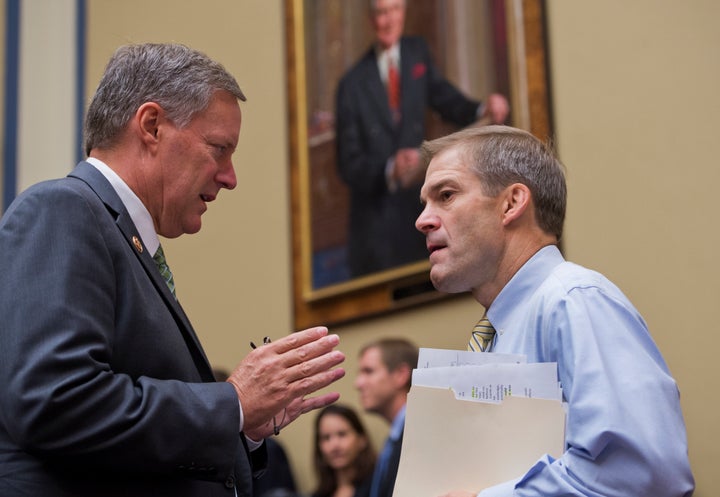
[433, 247]
[207, 198]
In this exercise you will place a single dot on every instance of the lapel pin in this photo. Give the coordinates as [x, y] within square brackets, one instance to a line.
[138, 245]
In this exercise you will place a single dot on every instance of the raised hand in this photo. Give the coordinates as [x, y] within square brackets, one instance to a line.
[273, 380]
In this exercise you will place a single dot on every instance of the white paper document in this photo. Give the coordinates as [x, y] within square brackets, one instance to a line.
[433, 358]
[492, 382]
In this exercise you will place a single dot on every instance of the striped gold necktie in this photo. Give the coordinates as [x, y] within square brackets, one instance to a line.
[482, 336]
[162, 265]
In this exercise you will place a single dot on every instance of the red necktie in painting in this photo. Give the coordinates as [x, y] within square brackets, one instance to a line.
[393, 89]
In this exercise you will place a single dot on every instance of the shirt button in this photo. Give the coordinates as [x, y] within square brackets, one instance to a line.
[230, 482]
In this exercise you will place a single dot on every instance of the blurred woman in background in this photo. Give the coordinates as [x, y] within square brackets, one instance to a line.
[344, 457]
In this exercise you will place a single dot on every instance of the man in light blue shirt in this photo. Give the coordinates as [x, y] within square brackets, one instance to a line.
[495, 201]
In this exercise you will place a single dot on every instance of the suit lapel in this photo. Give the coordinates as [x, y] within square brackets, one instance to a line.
[104, 190]
[375, 88]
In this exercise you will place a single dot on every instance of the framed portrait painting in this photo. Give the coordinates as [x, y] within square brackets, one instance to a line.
[480, 46]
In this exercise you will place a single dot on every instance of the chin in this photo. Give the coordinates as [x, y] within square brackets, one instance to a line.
[192, 228]
[437, 279]
[445, 284]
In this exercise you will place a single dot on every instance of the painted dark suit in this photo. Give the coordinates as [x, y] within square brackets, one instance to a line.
[105, 387]
[382, 223]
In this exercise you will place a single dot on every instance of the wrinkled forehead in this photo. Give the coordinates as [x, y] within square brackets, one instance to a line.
[446, 166]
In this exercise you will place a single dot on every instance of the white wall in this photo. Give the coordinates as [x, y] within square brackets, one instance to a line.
[47, 127]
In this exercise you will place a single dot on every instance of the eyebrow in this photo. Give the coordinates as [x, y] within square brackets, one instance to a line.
[218, 138]
[433, 188]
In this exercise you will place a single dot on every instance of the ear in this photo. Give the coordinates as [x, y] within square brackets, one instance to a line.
[148, 117]
[517, 198]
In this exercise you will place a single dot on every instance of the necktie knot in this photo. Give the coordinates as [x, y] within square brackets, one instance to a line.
[164, 269]
[482, 336]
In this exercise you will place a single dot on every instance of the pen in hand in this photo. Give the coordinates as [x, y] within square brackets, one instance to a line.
[266, 340]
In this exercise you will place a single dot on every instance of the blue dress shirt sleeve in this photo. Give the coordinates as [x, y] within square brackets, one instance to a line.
[625, 433]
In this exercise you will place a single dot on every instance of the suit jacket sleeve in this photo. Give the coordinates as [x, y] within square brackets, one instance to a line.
[442, 96]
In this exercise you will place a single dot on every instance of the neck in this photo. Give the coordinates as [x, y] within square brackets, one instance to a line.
[513, 259]
[394, 408]
[345, 476]
[134, 170]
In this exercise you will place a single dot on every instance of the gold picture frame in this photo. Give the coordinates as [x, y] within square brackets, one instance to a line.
[311, 133]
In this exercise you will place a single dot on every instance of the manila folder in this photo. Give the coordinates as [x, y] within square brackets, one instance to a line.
[450, 444]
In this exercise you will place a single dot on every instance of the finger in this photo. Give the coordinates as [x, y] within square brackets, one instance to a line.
[310, 384]
[310, 352]
[318, 402]
[302, 406]
[314, 366]
[298, 339]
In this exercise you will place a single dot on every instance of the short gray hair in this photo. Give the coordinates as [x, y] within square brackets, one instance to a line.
[179, 79]
[501, 156]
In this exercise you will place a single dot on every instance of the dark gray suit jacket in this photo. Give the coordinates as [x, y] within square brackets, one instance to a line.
[105, 388]
[382, 223]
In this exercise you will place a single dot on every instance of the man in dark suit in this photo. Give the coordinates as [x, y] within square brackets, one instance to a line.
[106, 390]
[379, 128]
[383, 382]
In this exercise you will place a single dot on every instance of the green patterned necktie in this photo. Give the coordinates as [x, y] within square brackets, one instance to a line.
[159, 259]
[482, 336]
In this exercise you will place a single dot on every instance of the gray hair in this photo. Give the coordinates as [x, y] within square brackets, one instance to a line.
[501, 156]
[179, 79]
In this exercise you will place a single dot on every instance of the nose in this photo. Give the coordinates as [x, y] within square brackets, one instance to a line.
[332, 443]
[426, 221]
[226, 176]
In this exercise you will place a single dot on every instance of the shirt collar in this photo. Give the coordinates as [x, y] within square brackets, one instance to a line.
[393, 51]
[383, 56]
[136, 209]
[523, 284]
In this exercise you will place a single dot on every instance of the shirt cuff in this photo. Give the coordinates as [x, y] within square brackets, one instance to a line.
[252, 444]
